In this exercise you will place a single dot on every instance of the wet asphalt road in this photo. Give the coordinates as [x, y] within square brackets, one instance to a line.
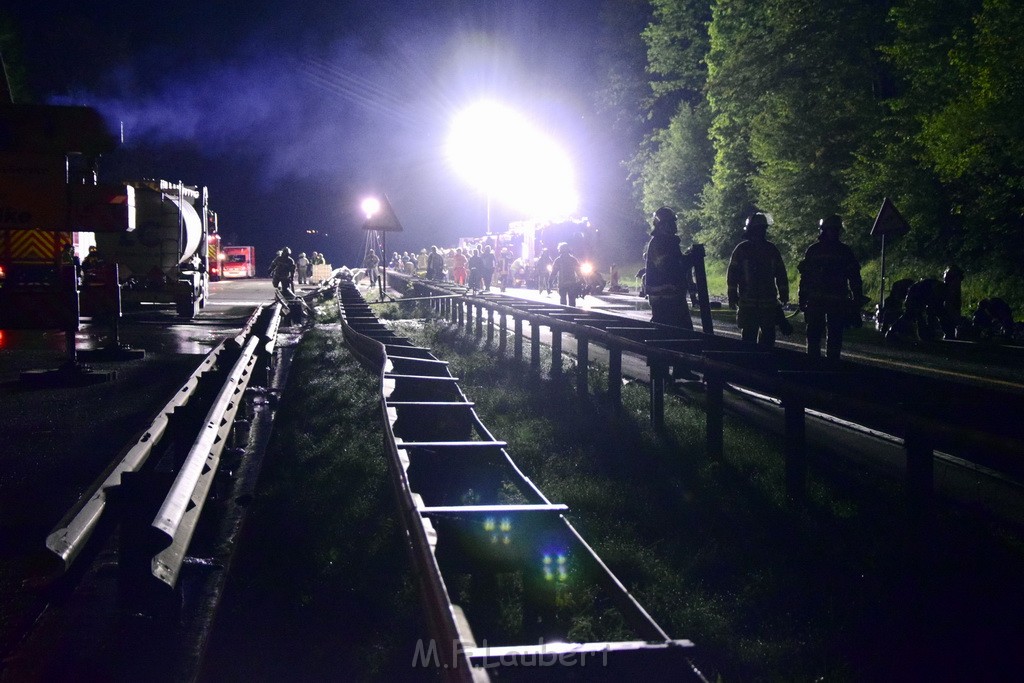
[57, 441]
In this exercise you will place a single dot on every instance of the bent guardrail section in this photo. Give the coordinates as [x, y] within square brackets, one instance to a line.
[177, 516]
[477, 526]
[179, 513]
[71, 534]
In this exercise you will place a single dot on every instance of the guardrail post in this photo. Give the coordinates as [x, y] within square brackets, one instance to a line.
[469, 316]
[534, 345]
[479, 320]
[502, 331]
[796, 448]
[556, 351]
[615, 376]
[517, 343]
[658, 373]
[715, 417]
[460, 315]
[490, 325]
[582, 365]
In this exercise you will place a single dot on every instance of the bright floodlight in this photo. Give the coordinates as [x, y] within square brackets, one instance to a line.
[504, 155]
[371, 206]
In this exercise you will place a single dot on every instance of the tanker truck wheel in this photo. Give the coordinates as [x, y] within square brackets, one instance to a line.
[188, 309]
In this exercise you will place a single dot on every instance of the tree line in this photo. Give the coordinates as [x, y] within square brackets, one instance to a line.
[803, 108]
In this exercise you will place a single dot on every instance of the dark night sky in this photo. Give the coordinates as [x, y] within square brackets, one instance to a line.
[292, 112]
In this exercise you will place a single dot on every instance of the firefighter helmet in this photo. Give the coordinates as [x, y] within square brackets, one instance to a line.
[832, 222]
[286, 252]
[665, 218]
[756, 222]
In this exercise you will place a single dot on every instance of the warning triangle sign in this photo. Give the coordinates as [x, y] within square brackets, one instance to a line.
[384, 220]
[889, 222]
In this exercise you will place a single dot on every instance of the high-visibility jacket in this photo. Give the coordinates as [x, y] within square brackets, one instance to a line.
[757, 276]
[829, 275]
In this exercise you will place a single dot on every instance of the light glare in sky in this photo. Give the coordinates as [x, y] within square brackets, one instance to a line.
[501, 153]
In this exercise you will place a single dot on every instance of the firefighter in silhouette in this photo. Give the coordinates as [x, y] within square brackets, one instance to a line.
[666, 277]
[566, 269]
[92, 260]
[889, 312]
[282, 271]
[994, 319]
[91, 265]
[831, 290]
[543, 268]
[757, 283]
[372, 265]
[435, 265]
[923, 310]
[302, 265]
[68, 266]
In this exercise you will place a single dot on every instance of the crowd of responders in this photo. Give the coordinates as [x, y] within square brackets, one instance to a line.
[482, 266]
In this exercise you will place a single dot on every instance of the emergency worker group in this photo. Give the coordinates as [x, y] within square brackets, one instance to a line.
[830, 293]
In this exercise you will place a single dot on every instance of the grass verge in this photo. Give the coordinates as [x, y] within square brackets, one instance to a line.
[842, 588]
[321, 589]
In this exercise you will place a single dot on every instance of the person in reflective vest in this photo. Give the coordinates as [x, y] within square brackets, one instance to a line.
[757, 283]
[567, 271]
[831, 291]
[666, 276]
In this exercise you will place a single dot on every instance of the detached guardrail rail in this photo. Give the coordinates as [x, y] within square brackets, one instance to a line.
[981, 426]
[478, 526]
[153, 469]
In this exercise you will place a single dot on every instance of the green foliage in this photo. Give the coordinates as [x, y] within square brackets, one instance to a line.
[673, 163]
[677, 166]
[976, 140]
[813, 108]
[791, 90]
[736, 76]
[677, 41]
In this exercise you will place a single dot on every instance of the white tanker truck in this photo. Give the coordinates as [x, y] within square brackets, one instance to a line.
[165, 260]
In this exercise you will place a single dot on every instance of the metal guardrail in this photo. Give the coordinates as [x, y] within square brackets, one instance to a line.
[175, 522]
[179, 513]
[469, 511]
[928, 414]
[71, 534]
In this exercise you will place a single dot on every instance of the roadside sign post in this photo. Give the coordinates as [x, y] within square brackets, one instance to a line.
[889, 221]
[383, 222]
